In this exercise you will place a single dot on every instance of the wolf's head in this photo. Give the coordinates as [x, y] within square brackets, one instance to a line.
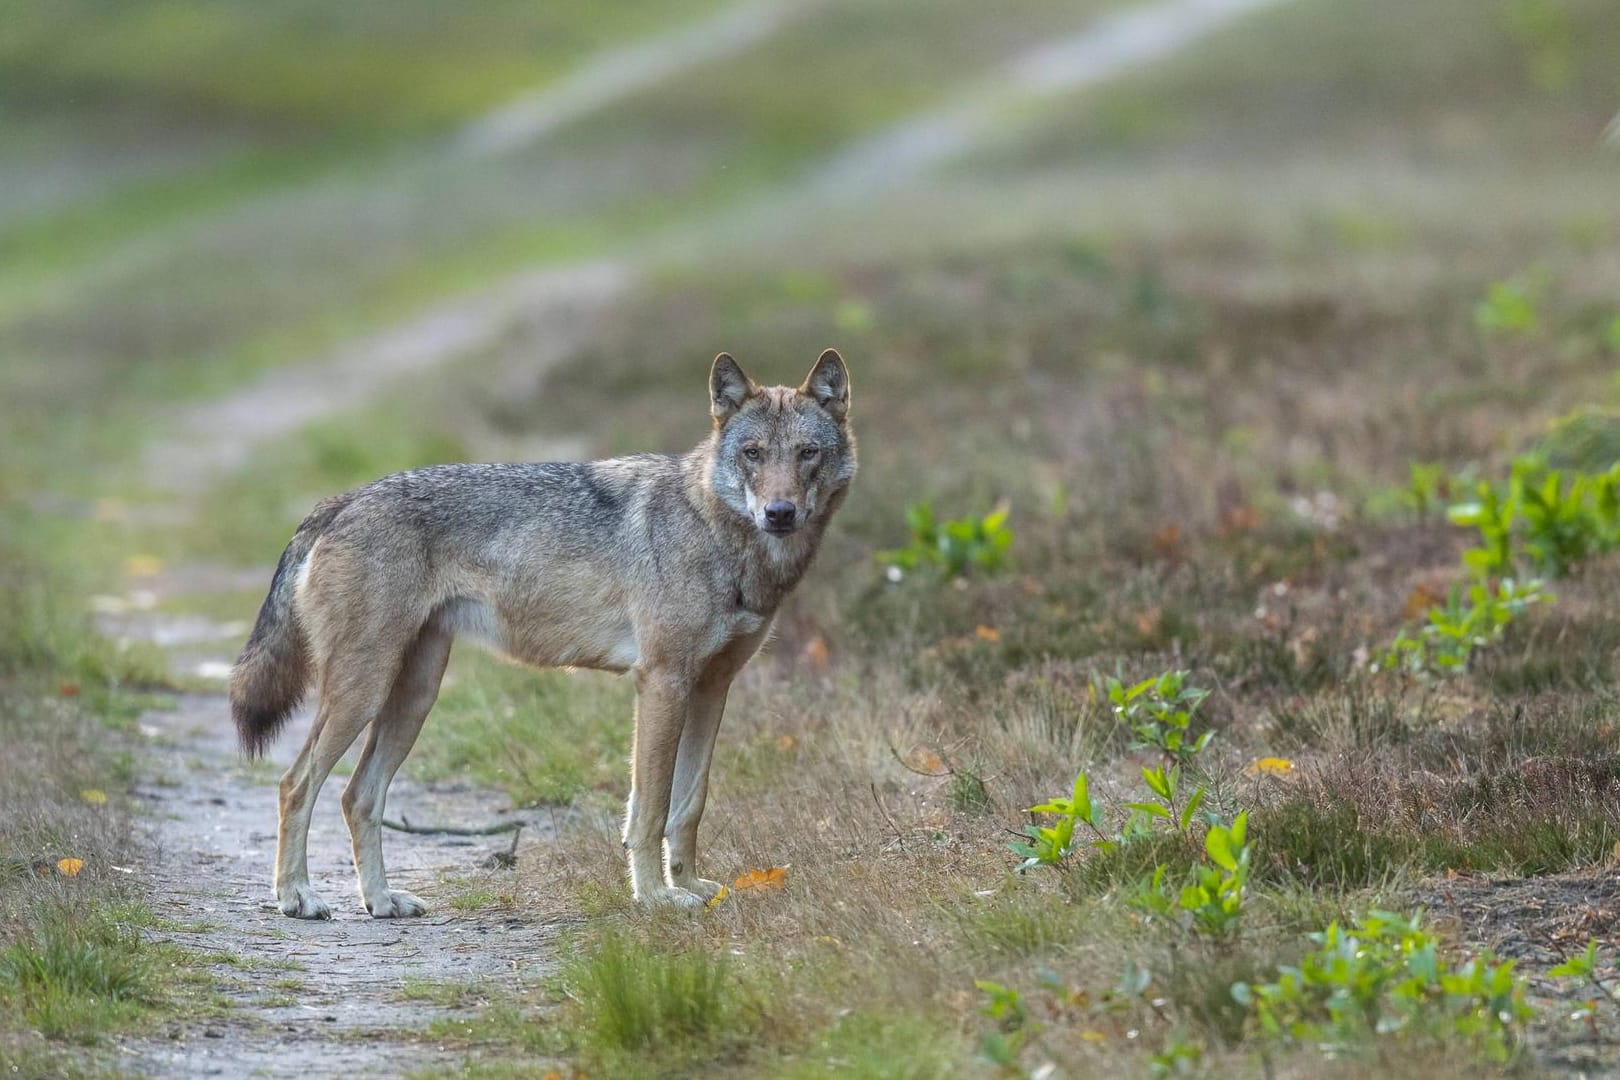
[782, 456]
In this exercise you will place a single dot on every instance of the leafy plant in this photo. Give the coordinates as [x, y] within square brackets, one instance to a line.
[1471, 618]
[1426, 487]
[1508, 308]
[1550, 519]
[1493, 515]
[1211, 902]
[1050, 845]
[1385, 978]
[1005, 1006]
[1159, 713]
[1165, 784]
[956, 546]
[1584, 968]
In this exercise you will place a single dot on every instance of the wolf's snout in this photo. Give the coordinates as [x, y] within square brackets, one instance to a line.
[780, 514]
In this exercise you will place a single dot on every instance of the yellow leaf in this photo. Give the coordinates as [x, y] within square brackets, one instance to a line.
[785, 743]
[70, 867]
[774, 878]
[986, 633]
[714, 901]
[93, 795]
[1271, 766]
[1093, 1036]
[143, 565]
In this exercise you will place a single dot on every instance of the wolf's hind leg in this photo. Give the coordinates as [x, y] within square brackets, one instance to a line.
[392, 735]
[690, 790]
[351, 695]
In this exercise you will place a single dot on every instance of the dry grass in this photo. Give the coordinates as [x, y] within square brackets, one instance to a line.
[1202, 423]
[1202, 459]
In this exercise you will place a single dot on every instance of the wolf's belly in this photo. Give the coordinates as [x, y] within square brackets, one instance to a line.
[581, 635]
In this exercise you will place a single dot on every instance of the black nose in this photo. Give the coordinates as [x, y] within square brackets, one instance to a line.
[779, 513]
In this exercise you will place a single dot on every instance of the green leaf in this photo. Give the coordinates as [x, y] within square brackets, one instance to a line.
[1217, 842]
[1155, 778]
[1191, 808]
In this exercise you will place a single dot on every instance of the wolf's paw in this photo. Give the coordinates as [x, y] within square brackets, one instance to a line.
[396, 904]
[666, 896]
[301, 902]
[703, 888]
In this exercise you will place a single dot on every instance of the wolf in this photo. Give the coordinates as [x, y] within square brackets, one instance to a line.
[668, 567]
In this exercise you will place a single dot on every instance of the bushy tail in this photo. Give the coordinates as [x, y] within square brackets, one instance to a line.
[274, 670]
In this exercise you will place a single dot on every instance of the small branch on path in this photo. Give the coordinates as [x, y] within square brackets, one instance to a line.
[404, 825]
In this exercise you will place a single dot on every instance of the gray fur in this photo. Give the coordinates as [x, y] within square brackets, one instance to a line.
[663, 566]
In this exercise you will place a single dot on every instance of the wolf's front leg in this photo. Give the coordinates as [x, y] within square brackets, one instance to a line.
[690, 790]
[661, 708]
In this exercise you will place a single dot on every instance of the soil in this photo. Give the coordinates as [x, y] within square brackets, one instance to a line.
[212, 819]
[212, 816]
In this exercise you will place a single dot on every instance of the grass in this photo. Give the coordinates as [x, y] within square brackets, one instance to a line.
[75, 967]
[543, 737]
[1200, 415]
[1162, 410]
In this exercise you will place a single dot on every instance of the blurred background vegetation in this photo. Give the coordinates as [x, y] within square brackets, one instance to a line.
[1191, 325]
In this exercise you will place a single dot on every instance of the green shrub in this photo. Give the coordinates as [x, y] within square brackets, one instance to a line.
[1470, 619]
[955, 547]
[1385, 979]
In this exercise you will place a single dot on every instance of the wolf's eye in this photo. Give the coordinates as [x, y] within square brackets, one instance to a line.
[810, 453]
[751, 453]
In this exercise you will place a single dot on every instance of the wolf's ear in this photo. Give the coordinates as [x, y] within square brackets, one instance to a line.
[729, 387]
[828, 383]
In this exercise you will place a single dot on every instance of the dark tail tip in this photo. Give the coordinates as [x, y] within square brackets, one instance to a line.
[267, 684]
[258, 726]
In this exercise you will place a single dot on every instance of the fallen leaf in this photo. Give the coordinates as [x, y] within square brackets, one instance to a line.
[68, 689]
[1167, 541]
[70, 867]
[1093, 1036]
[816, 656]
[143, 565]
[1419, 601]
[1271, 766]
[774, 878]
[986, 633]
[714, 901]
[93, 795]
[1239, 519]
[925, 760]
[1150, 622]
[785, 742]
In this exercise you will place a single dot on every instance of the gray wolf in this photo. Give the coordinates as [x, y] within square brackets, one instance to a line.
[667, 567]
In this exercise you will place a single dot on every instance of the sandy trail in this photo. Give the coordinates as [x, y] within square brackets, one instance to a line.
[213, 822]
[213, 818]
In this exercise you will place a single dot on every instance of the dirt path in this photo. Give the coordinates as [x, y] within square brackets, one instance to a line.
[313, 998]
[212, 439]
[327, 998]
[1114, 45]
